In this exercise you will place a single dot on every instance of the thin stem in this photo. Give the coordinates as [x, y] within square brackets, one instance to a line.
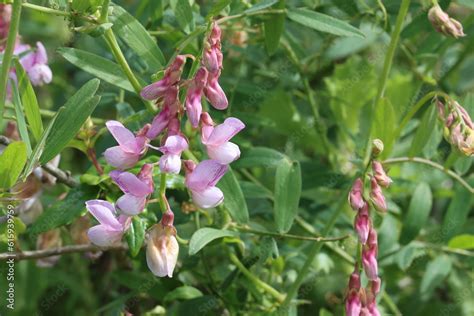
[104, 11]
[289, 236]
[390, 304]
[120, 58]
[241, 15]
[38, 254]
[189, 155]
[435, 165]
[58, 12]
[387, 66]
[315, 248]
[8, 54]
[162, 197]
[259, 283]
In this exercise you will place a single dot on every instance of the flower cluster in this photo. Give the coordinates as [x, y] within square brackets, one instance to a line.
[360, 301]
[33, 60]
[458, 126]
[201, 178]
[445, 24]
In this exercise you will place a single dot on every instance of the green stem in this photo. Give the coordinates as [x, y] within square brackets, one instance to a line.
[162, 197]
[387, 66]
[315, 248]
[189, 155]
[104, 11]
[289, 236]
[120, 58]
[8, 54]
[261, 12]
[259, 283]
[435, 165]
[58, 12]
[390, 304]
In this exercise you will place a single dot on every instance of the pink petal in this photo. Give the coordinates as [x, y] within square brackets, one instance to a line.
[224, 132]
[129, 183]
[124, 137]
[170, 163]
[101, 236]
[210, 197]
[40, 74]
[174, 144]
[116, 157]
[154, 90]
[131, 205]
[206, 174]
[41, 57]
[225, 153]
[159, 123]
[104, 212]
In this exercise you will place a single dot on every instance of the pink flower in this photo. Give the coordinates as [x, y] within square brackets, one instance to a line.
[111, 225]
[353, 302]
[162, 250]
[201, 181]
[362, 223]
[380, 175]
[130, 148]
[174, 145]
[369, 256]
[193, 97]
[214, 92]
[172, 76]
[445, 24]
[136, 189]
[355, 195]
[216, 139]
[377, 196]
[35, 64]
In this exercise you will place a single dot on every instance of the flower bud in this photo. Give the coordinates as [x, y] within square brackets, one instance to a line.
[362, 223]
[380, 175]
[369, 262]
[377, 196]
[355, 195]
[162, 250]
[444, 24]
[377, 147]
[353, 301]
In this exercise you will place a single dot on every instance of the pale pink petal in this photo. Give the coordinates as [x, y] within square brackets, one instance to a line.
[224, 132]
[129, 183]
[162, 253]
[175, 145]
[130, 204]
[154, 90]
[104, 212]
[225, 153]
[124, 137]
[41, 57]
[208, 198]
[159, 123]
[170, 163]
[40, 74]
[116, 157]
[206, 174]
[101, 236]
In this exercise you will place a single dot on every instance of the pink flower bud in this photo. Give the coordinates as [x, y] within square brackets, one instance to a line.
[162, 250]
[444, 24]
[377, 196]
[380, 175]
[353, 304]
[369, 262]
[362, 223]
[193, 97]
[172, 76]
[355, 195]
[214, 92]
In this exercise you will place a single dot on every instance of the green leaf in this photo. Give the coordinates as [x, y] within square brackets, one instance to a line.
[234, 200]
[12, 162]
[35, 156]
[261, 5]
[273, 28]
[259, 156]
[287, 194]
[218, 7]
[137, 38]
[184, 292]
[97, 66]
[29, 101]
[184, 14]
[323, 23]
[458, 211]
[424, 131]
[136, 235]
[65, 211]
[76, 111]
[464, 241]
[384, 124]
[20, 117]
[405, 257]
[204, 236]
[418, 212]
[436, 271]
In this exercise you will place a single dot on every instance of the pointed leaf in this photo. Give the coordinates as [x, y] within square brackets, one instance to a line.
[273, 28]
[20, 117]
[287, 194]
[204, 236]
[12, 162]
[136, 235]
[234, 200]
[418, 212]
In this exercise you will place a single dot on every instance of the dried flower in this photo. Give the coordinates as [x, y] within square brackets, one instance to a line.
[444, 24]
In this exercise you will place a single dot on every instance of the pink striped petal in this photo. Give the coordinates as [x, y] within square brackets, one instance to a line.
[116, 157]
[175, 145]
[131, 205]
[129, 183]
[104, 212]
[123, 136]
[210, 197]
[224, 132]
[225, 153]
[206, 174]
[101, 236]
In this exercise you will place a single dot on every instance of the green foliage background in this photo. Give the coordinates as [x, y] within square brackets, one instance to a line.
[305, 96]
